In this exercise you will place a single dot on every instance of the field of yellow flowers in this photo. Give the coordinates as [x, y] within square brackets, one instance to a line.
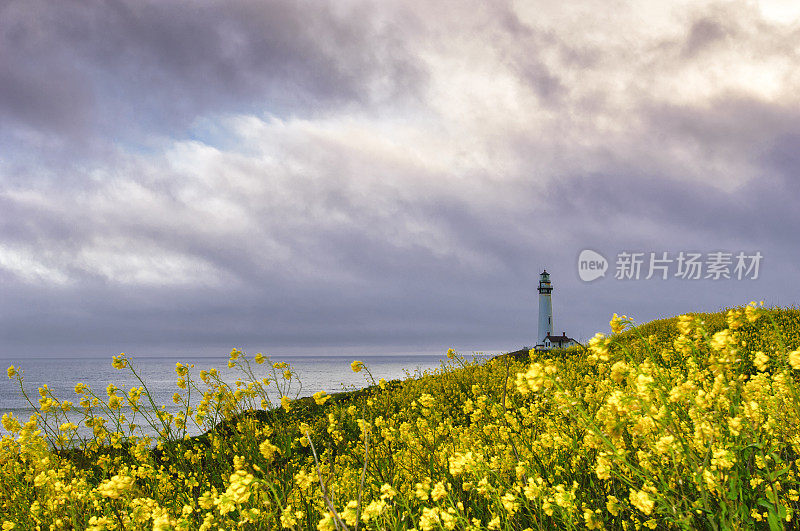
[683, 423]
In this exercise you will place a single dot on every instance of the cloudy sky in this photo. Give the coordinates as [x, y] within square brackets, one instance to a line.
[310, 176]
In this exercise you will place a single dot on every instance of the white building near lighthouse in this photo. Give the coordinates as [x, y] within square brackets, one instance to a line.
[545, 340]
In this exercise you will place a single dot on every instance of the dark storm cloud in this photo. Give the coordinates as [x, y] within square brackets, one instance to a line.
[76, 68]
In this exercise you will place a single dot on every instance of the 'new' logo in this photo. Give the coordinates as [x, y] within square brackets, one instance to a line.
[591, 265]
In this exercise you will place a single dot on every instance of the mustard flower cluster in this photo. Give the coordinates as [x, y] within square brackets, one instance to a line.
[683, 423]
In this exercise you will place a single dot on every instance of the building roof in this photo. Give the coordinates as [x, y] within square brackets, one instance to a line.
[559, 339]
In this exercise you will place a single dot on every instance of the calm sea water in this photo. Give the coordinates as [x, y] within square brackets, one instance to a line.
[328, 373]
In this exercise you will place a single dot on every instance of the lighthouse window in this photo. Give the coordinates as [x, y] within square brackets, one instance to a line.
[548, 320]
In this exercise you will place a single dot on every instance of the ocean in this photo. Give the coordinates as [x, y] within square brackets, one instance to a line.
[315, 373]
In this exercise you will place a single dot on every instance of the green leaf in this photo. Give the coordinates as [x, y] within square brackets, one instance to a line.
[773, 521]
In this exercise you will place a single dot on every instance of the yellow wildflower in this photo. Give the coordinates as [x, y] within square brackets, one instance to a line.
[304, 480]
[591, 519]
[268, 450]
[794, 359]
[372, 510]
[720, 340]
[427, 400]
[320, 397]
[98, 523]
[603, 468]
[641, 500]
[685, 324]
[618, 371]
[429, 519]
[438, 491]
[752, 312]
[735, 425]
[114, 402]
[115, 487]
[10, 423]
[618, 323]
[735, 319]
[327, 523]
[357, 366]
[387, 492]
[11, 373]
[612, 504]
[289, 517]
[599, 346]
[350, 514]
[664, 444]
[421, 489]
[239, 487]
[510, 503]
[760, 360]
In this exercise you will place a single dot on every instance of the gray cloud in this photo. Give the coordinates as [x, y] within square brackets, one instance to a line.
[703, 33]
[84, 68]
[290, 175]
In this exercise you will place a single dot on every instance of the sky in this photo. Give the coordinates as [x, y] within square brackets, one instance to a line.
[183, 177]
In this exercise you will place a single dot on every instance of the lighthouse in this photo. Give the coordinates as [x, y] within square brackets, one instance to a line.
[545, 308]
[546, 340]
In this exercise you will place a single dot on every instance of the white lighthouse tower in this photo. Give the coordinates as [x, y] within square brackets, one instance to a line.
[546, 340]
[545, 308]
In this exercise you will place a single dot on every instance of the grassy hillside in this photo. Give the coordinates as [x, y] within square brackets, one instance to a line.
[689, 422]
